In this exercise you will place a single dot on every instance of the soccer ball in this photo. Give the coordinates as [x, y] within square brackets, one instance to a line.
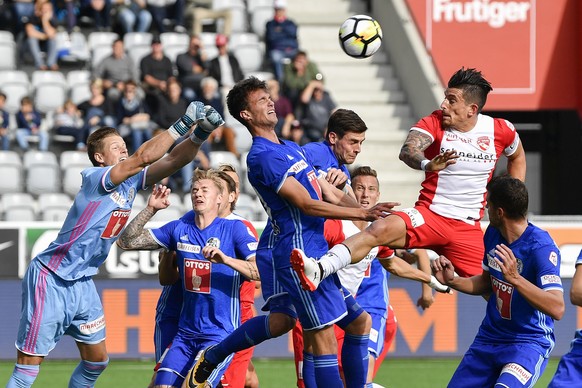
[360, 36]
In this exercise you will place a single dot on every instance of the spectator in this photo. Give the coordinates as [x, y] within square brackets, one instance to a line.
[23, 10]
[191, 68]
[297, 76]
[4, 124]
[200, 10]
[115, 70]
[28, 122]
[170, 103]
[99, 11]
[280, 38]
[225, 67]
[156, 71]
[66, 11]
[134, 16]
[97, 110]
[284, 110]
[224, 139]
[41, 27]
[68, 121]
[166, 9]
[316, 107]
[133, 116]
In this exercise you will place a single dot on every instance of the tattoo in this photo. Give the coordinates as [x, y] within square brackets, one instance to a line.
[253, 271]
[134, 236]
[412, 151]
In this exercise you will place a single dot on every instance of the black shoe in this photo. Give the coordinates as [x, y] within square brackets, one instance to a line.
[201, 371]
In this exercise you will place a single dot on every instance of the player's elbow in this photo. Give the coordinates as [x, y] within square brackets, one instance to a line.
[557, 311]
[576, 296]
[122, 244]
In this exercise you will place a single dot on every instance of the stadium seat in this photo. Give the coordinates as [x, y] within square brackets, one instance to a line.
[134, 39]
[187, 202]
[247, 207]
[6, 36]
[98, 54]
[74, 158]
[137, 53]
[54, 206]
[11, 172]
[50, 90]
[250, 56]
[176, 201]
[238, 38]
[78, 82]
[100, 45]
[7, 55]
[15, 84]
[174, 43]
[245, 185]
[170, 214]
[72, 48]
[42, 172]
[243, 139]
[72, 180]
[259, 18]
[18, 207]
[224, 157]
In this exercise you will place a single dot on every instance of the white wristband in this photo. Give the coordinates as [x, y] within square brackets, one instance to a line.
[423, 164]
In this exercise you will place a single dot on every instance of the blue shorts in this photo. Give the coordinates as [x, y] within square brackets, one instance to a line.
[52, 307]
[182, 356]
[500, 365]
[377, 334]
[317, 309]
[164, 332]
[353, 308]
[569, 373]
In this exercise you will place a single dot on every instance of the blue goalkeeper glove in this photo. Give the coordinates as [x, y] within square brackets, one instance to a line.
[211, 121]
[194, 114]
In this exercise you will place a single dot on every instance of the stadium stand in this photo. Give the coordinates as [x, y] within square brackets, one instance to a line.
[18, 207]
[42, 172]
[11, 171]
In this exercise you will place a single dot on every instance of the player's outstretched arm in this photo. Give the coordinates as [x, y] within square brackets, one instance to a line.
[412, 153]
[186, 151]
[134, 236]
[167, 268]
[516, 164]
[401, 268]
[247, 268]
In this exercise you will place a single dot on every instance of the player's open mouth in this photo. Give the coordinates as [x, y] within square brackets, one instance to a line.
[122, 159]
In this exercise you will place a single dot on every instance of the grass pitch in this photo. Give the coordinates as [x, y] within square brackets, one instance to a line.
[394, 373]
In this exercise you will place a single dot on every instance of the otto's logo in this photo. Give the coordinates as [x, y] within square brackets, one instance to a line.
[494, 13]
[197, 275]
[483, 142]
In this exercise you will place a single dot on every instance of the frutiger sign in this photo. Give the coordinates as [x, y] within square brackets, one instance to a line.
[494, 13]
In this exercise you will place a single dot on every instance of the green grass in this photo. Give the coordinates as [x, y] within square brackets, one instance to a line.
[394, 373]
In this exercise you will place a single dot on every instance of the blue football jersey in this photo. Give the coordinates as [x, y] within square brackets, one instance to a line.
[269, 164]
[321, 156]
[510, 318]
[211, 306]
[373, 295]
[97, 217]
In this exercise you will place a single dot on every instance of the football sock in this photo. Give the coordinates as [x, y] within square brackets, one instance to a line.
[86, 373]
[335, 259]
[355, 357]
[326, 371]
[251, 333]
[23, 376]
[369, 385]
[308, 370]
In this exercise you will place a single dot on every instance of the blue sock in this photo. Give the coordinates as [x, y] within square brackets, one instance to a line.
[308, 370]
[86, 373]
[23, 376]
[355, 357]
[327, 371]
[251, 333]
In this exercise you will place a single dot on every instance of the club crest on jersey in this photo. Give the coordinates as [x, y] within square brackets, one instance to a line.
[131, 195]
[554, 258]
[213, 242]
[483, 142]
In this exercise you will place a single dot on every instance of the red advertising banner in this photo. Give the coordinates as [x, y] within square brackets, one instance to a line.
[527, 49]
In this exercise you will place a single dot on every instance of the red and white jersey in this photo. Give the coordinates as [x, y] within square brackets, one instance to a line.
[335, 232]
[459, 190]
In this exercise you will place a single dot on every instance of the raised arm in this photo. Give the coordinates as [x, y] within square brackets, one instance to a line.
[516, 164]
[412, 153]
[423, 262]
[134, 236]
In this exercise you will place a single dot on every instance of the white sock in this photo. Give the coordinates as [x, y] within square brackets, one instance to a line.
[335, 259]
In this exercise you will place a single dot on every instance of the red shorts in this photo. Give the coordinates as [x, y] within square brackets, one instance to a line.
[458, 241]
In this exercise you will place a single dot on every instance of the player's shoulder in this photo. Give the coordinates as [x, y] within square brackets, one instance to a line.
[503, 124]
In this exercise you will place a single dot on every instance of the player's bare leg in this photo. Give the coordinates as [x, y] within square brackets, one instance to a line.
[251, 379]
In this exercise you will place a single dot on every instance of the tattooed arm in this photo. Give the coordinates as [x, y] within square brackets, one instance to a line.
[412, 153]
[134, 236]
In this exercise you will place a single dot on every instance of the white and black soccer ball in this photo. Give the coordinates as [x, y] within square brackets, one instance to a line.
[360, 36]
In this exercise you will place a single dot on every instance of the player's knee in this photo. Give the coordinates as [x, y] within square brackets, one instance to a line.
[361, 325]
[280, 324]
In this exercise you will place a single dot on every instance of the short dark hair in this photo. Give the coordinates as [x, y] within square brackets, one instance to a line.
[95, 142]
[345, 120]
[474, 86]
[237, 98]
[509, 194]
[2, 95]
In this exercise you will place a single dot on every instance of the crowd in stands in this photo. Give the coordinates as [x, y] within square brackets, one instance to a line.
[142, 93]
